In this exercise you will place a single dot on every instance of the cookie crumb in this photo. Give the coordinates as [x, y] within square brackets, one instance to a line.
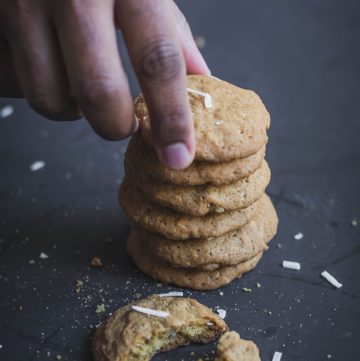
[96, 262]
[100, 308]
[78, 286]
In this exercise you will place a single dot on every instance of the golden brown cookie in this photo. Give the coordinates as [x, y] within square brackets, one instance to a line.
[233, 127]
[142, 156]
[179, 226]
[201, 200]
[226, 250]
[193, 278]
[232, 348]
[133, 336]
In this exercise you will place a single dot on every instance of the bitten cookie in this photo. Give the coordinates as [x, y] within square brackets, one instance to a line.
[178, 226]
[230, 249]
[232, 348]
[230, 122]
[133, 336]
[194, 278]
[201, 200]
[142, 156]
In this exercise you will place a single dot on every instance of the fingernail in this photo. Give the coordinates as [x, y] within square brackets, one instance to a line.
[175, 156]
[136, 124]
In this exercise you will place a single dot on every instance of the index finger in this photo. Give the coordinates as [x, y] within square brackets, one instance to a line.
[160, 67]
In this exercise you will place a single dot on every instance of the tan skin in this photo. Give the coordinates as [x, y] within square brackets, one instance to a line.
[62, 56]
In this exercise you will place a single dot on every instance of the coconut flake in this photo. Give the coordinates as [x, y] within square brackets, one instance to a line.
[172, 294]
[207, 97]
[149, 311]
[277, 356]
[299, 236]
[6, 111]
[214, 77]
[219, 122]
[39, 164]
[291, 265]
[221, 312]
[43, 255]
[331, 279]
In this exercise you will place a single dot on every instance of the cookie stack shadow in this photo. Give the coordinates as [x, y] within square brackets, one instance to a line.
[208, 224]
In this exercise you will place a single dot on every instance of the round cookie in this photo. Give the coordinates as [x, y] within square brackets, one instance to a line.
[230, 249]
[201, 200]
[184, 277]
[131, 335]
[229, 122]
[177, 226]
[142, 156]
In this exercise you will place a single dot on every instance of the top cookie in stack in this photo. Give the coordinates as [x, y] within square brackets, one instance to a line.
[203, 226]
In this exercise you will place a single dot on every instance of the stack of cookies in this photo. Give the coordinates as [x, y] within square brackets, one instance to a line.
[206, 225]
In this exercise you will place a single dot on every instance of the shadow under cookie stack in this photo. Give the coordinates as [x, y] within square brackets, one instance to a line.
[208, 224]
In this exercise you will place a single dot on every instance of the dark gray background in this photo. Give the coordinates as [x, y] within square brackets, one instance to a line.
[303, 58]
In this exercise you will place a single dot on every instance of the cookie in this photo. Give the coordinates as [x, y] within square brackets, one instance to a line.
[232, 348]
[177, 226]
[201, 200]
[230, 122]
[229, 249]
[193, 278]
[130, 335]
[140, 155]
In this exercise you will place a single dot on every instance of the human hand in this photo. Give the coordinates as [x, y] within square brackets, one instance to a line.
[62, 57]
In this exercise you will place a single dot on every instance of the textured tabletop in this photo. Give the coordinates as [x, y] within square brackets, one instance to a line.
[303, 58]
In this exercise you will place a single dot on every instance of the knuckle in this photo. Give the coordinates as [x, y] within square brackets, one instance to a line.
[98, 95]
[53, 107]
[160, 60]
[172, 127]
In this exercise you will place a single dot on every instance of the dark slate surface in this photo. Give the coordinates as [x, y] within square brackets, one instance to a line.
[303, 59]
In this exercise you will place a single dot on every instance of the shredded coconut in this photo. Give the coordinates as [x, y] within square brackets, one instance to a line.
[39, 164]
[43, 255]
[219, 122]
[277, 356]
[6, 111]
[291, 265]
[149, 311]
[207, 97]
[222, 313]
[172, 294]
[331, 279]
[299, 236]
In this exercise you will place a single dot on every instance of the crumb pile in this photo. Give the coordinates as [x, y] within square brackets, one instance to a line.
[206, 225]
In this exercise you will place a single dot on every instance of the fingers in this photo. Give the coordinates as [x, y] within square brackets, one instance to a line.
[195, 63]
[98, 82]
[38, 64]
[9, 82]
[159, 64]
